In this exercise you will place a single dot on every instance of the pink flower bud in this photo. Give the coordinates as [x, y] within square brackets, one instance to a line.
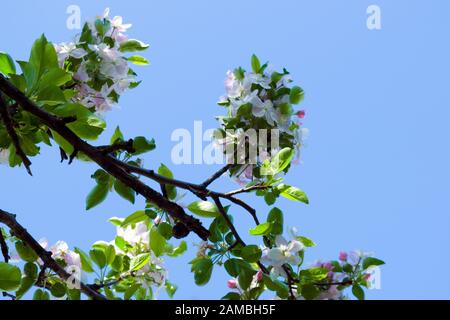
[343, 256]
[328, 266]
[259, 276]
[232, 284]
[301, 114]
[367, 277]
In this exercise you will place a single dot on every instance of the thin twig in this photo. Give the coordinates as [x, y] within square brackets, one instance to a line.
[216, 176]
[4, 113]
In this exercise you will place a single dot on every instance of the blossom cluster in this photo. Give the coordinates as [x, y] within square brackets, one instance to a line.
[138, 237]
[97, 62]
[260, 100]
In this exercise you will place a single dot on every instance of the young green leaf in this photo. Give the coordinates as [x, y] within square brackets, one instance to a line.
[138, 216]
[7, 65]
[297, 95]
[261, 230]
[370, 261]
[97, 196]
[133, 46]
[293, 193]
[256, 65]
[157, 242]
[251, 253]
[86, 264]
[138, 60]
[139, 261]
[204, 209]
[124, 191]
[358, 292]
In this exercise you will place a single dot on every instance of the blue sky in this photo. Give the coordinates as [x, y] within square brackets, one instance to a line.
[376, 164]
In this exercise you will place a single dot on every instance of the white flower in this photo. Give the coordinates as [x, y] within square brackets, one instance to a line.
[232, 85]
[100, 100]
[4, 156]
[284, 81]
[255, 78]
[59, 250]
[283, 253]
[118, 25]
[64, 50]
[105, 52]
[81, 74]
[137, 235]
[357, 256]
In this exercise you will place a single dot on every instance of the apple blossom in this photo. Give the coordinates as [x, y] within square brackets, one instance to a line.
[282, 253]
[4, 156]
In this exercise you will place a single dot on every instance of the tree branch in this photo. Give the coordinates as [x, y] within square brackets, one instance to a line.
[216, 176]
[4, 247]
[107, 162]
[4, 113]
[20, 232]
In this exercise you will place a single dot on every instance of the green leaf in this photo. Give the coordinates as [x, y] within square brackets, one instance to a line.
[133, 46]
[138, 60]
[87, 126]
[276, 218]
[279, 287]
[40, 294]
[26, 284]
[204, 209]
[139, 261]
[293, 193]
[314, 274]
[170, 289]
[358, 292]
[251, 253]
[142, 145]
[231, 296]
[131, 291]
[97, 196]
[245, 278]
[278, 163]
[138, 216]
[58, 290]
[10, 277]
[7, 65]
[110, 254]
[310, 291]
[164, 171]
[51, 95]
[202, 268]
[42, 58]
[86, 264]
[25, 252]
[99, 257]
[157, 242]
[182, 248]
[117, 136]
[256, 65]
[306, 241]
[369, 262]
[261, 230]
[165, 230]
[124, 191]
[117, 264]
[54, 77]
[30, 270]
[297, 95]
